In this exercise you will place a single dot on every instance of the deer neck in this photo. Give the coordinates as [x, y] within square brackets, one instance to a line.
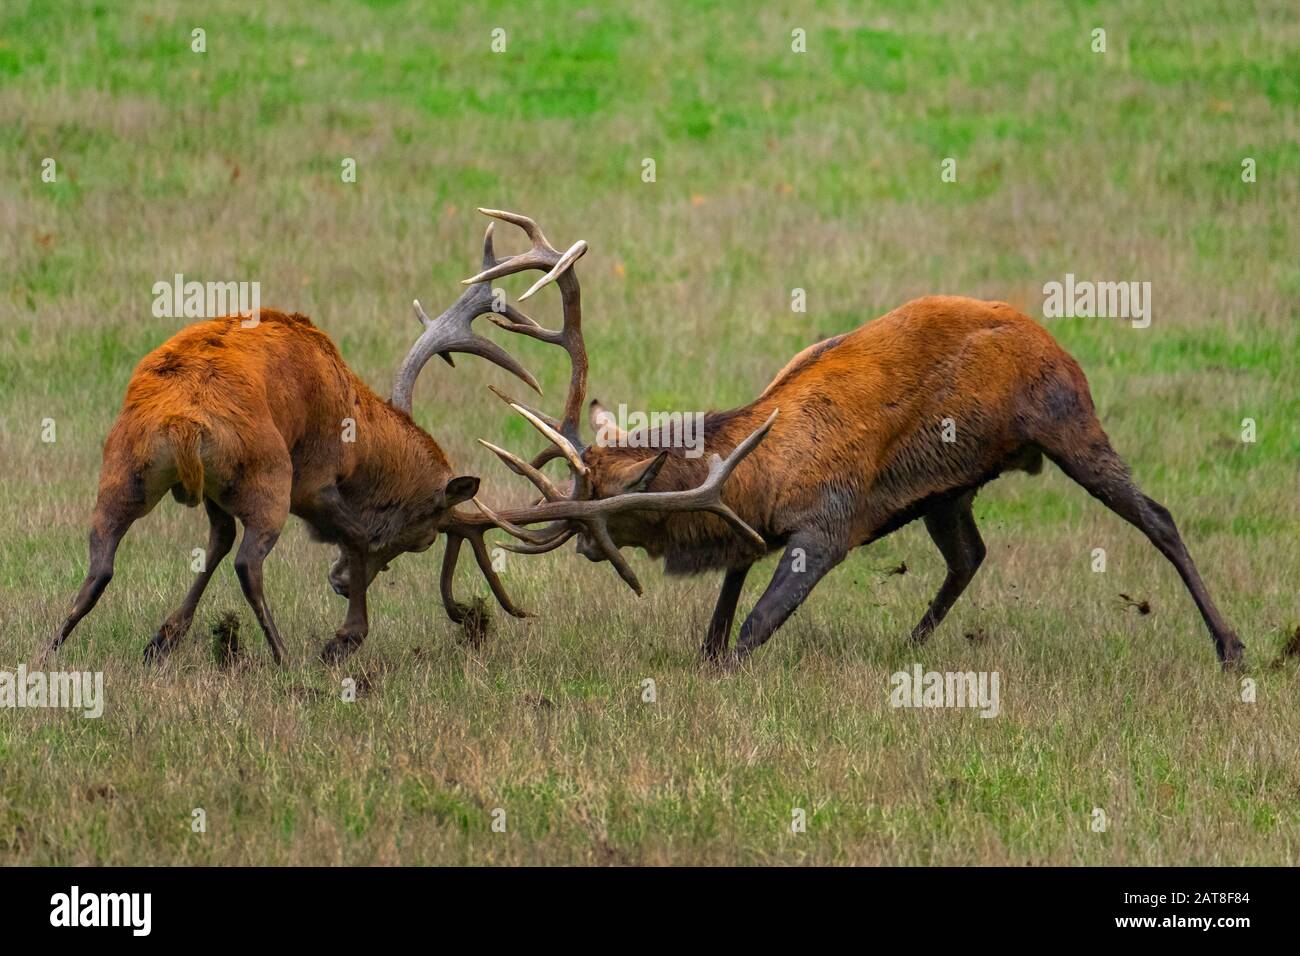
[399, 465]
[693, 542]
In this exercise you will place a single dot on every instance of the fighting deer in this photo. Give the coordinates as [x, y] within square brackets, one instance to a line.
[258, 417]
[858, 452]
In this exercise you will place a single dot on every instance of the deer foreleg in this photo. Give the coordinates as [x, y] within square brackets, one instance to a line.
[356, 625]
[715, 643]
[806, 561]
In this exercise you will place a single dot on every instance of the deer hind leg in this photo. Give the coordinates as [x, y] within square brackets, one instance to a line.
[221, 537]
[715, 642]
[253, 549]
[115, 511]
[952, 526]
[261, 503]
[807, 559]
[1085, 454]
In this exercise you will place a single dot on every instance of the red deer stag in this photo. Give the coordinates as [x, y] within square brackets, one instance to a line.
[859, 452]
[260, 419]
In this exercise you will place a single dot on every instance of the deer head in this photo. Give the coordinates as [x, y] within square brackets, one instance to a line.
[450, 332]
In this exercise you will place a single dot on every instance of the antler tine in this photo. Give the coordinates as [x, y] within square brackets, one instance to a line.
[544, 547]
[524, 470]
[523, 324]
[571, 255]
[571, 454]
[529, 226]
[600, 534]
[739, 453]
[550, 452]
[484, 562]
[553, 422]
[489, 254]
[567, 451]
[547, 454]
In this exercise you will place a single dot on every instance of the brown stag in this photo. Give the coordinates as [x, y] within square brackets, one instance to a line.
[860, 450]
[259, 418]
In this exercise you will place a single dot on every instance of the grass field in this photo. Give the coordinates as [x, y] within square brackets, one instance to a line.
[774, 171]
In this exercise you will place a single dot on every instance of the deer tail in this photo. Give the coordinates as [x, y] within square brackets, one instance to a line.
[185, 438]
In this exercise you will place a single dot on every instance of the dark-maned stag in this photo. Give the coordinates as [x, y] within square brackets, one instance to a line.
[903, 418]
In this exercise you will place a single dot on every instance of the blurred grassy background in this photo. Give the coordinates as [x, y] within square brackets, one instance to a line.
[775, 170]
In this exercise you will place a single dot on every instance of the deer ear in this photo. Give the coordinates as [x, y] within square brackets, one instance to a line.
[460, 489]
[638, 477]
[605, 425]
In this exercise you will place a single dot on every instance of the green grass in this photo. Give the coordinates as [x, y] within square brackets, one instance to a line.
[774, 171]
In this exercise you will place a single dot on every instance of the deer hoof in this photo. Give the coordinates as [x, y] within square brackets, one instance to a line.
[156, 651]
[730, 662]
[339, 649]
[1233, 660]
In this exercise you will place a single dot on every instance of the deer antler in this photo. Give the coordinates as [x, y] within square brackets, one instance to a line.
[592, 514]
[470, 527]
[559, 269]
[581, 512]
[452, 332]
